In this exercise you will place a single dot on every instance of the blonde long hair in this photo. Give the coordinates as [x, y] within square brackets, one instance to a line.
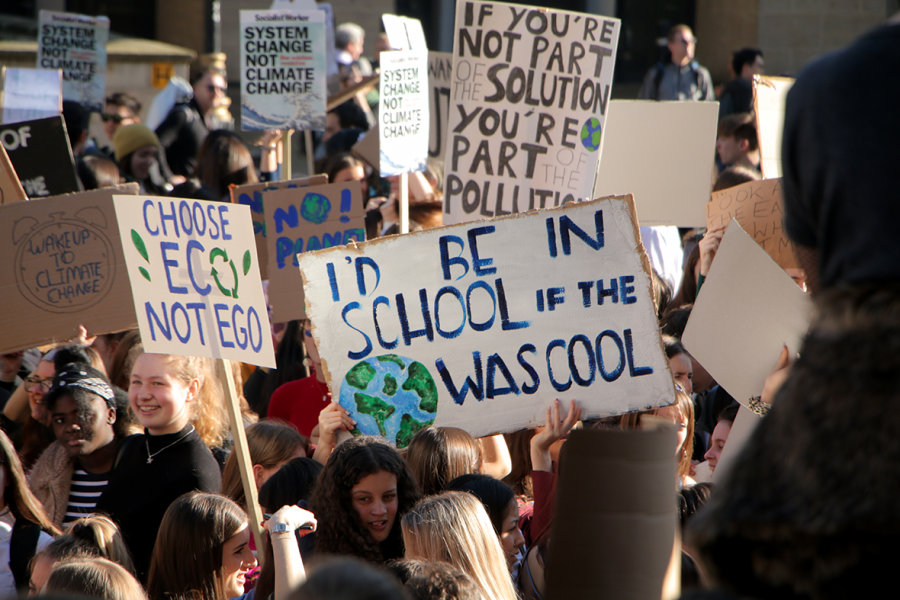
[454, 527]
[685, 406]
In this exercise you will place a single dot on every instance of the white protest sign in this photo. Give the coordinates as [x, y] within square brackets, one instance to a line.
[403, 112]
[746, 311]
[440, 66]
[528, 108]
[195, 278]
[480, 326]
[663, 153]
[769, 96]
[77, 45]
[283, 70]
[30, 94]
[404, 33]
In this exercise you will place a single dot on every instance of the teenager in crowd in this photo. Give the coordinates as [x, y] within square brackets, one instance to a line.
[681, 413]
[137, 154]
[438, 454]
[168, 459]
[362, 493]
[345, 578]
[94, 578]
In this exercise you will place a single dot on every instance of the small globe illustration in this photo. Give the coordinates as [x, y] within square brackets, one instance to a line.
[314, 208]
[391, 396]
[591, 134]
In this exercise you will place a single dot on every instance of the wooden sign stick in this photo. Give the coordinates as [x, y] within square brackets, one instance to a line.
[288, 155]
[310, 159]
[403, 208]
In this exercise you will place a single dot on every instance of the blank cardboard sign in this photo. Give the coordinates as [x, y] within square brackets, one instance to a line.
[662, 153]
[769, 95]
[746, 311]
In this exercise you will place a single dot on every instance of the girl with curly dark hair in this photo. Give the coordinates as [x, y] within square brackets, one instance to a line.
[363, 491]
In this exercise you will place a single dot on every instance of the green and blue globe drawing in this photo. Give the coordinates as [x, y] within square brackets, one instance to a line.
[591, 134]
[314, 208]
[391, 396]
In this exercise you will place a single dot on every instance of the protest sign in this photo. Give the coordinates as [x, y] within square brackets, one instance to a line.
[194, 278]
[662, 152]
[403, 112]
[252, 195]
[747, 310]
[404, 33]
[769, 96]
[440, 67]
[366, 149]
[759, 207]
[30, 94]
[76, 44]
[481, 326]
[40, 152]
[10, 188]
[300, 220]
[64, 267]
[283, 70]
[528, 108]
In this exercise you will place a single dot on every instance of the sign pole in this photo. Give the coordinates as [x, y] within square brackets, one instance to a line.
[288, 154]
[310, 159]
[242, 451]
[403, 207]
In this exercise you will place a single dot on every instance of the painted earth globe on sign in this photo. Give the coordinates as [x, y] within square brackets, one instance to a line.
[591, 135]
[314, 208]
[391, 396]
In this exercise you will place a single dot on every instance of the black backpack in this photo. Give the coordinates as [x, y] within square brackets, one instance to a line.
[660, 70]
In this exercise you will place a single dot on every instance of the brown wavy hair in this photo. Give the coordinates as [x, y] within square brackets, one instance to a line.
[340, 530]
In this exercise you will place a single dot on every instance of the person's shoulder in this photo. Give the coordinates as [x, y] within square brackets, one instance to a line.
[51, 463]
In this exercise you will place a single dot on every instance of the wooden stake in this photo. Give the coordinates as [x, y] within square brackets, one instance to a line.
[310, 159]
[288, 154]
[242, 451]
[404, 203]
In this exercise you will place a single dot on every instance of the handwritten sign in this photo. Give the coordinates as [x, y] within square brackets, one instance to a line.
[10, 188]
[528, 108]
[283, 70]
[480, 326]
[194, 278]
[440, 67]
[64, 267]
[40, 152]
[769, 96]
[301, 220]
[403, 112]
[404, 33]
[76, 44]
[759, 207]
[30, 94]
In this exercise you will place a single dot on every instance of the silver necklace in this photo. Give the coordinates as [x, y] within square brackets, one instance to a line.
[147, 443]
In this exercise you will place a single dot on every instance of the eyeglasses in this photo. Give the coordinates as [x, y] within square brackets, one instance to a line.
[117, 119]
[32, 383]
[215, 88]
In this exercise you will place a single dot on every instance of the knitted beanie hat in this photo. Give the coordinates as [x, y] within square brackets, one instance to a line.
[130, 138]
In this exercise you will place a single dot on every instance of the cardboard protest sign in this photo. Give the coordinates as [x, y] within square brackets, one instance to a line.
[440, 68]
[528, 108]
[747, 310]
[403, 112]
[759, 207]
[30, 94]
[404, 33]
[283, 70]
[481, 326]
[769, 96]
[300, 220]
[663, 153]
[40, 152]
[64, 267]
[194, 278]
[252, 195]
[632, 531]
[10, 188]
[76, 44]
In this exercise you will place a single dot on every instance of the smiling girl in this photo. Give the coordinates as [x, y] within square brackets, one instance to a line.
[167, 460]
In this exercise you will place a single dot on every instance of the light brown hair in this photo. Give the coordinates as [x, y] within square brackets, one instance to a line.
[95, 578]
[438, 455]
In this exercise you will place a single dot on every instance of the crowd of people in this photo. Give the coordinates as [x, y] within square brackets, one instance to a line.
[117, 479]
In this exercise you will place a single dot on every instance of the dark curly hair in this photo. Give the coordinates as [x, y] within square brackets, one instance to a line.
[340, 530]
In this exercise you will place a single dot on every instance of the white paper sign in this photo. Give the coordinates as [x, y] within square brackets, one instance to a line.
[769, 96]
[481, 325]
[528, 108]
[30, 94]
[404, 33]
[663, 153]
[403, 112]
[283, 70]
[440, 67]
[746, 311]
[77, 45]
[195, 278]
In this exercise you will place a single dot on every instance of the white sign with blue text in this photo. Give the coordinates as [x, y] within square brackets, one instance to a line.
[195, 278]
[482, 325]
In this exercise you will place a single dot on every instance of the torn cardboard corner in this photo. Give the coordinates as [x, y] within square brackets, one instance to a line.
[626, 539]
[368, 149]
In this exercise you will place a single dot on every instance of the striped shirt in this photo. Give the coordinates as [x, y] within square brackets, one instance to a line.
[84, 493]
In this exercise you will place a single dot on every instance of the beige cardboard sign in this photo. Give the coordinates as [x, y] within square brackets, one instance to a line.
[759, 207]
[252, 195]
[64, 267]
[662, 152]
[769, 96]
[10, 188]
[747, 310]
[301, 220]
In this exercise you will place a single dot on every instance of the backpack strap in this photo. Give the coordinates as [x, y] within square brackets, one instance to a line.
[122, 448]
[660, 71]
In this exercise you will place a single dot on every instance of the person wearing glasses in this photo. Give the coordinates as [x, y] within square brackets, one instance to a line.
[187, 125]
[681, 78]
[121, 109]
